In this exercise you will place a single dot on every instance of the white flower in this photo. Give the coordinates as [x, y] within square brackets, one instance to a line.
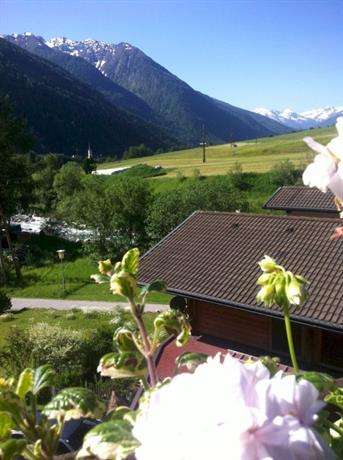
[319, 173]
[335, 146]
[326, 171]
[230, 410]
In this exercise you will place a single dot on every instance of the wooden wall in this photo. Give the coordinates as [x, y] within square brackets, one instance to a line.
[313, 346]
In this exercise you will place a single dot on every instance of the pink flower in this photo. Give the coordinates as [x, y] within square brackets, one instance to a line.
[230, 410]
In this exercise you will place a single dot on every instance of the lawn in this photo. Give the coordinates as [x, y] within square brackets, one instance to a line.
[46, 282]
[258, 155]
[42, 275]
[75, 319]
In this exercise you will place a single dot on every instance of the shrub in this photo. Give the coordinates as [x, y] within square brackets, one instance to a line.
[74, 354]
[70, 316]
[61, 348]
[210, 194]
[16, 353]
[285, 173]
[5, 302]
[143, 171]
[7, 317]
[238, 178]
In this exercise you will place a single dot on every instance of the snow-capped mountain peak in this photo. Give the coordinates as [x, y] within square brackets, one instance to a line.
[316, 118]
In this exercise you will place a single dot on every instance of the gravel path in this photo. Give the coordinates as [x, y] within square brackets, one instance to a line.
[59, 304]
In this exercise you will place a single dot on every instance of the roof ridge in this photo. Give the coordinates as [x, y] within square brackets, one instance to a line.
[266, 216]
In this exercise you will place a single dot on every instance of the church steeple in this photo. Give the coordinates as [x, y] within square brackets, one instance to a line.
[89, 153]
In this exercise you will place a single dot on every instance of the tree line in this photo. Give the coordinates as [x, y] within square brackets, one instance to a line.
[122, 211]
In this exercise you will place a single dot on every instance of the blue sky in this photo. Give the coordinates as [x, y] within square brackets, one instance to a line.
[258, 53]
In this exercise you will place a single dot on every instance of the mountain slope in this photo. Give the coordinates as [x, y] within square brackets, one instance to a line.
[180, 108]
[317, 118]
[64, 113]
[85, 72]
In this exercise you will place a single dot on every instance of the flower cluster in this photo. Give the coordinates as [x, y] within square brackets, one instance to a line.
[326, 171]
[279, 286]
[234, 411]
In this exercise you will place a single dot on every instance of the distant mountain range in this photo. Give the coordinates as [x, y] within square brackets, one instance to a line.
[130, 80]
[64, 113]
[317, 118]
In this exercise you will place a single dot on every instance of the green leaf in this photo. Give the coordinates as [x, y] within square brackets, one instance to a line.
[73, 403]
[25, 383]
[130, 261]
[175, 323]
[124, 284]
[11, 448]
[10, 402]
[100, 279]
[6, 424]
[335, 397]
[336, 442]
[191, 360]
[105, 267]
[44, 376]
[123, 413]
[112, 440]
[323, 382]
[156, 286]
[123, 364]
[124, 340]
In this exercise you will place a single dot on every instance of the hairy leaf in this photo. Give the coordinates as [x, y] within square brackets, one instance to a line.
[123, 364]
[74, 403]
[10, 402]
[191, 360]
[123, 340]
[130, 261]
[11, 448]
[100, 279]
[25, 383]
[174, 322]
[112, 440]
[336, 397]
[323, 382]
[6, 424]
[43, 377]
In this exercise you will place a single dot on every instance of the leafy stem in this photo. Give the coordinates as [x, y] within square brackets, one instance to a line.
[148, 351]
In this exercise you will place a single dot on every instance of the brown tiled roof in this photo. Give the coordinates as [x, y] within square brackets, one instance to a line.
[213, 256]
[301, 198]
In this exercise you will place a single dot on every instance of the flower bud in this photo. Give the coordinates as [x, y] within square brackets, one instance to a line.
[265, 294]
[267, 264]
[105, 267]
[264, 279]
[296, 291]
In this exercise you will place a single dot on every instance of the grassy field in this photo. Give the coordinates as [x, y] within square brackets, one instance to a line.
[45, 282]
[75, 319]
[255, 155]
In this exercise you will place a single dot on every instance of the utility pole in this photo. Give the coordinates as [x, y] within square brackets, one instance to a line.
[203, 144]
[61, 254]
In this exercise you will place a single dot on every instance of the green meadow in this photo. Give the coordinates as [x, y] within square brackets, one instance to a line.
[258, 155]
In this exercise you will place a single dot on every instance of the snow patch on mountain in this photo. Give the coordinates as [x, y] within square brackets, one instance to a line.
[316, 118]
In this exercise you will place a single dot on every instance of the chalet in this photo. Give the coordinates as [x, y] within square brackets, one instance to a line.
[210, 263]
[303, 201]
